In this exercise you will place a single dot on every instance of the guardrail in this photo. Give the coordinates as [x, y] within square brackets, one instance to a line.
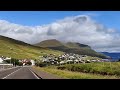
[5, 66]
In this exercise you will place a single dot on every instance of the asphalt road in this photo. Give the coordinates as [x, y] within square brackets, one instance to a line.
[6, 72]
[18, 73]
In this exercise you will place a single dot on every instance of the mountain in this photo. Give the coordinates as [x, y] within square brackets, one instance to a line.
[20, 50]
[70, 47]
[114, 56]
[50, 43]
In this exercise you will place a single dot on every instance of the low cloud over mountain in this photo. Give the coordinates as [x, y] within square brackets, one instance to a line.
[81, 28]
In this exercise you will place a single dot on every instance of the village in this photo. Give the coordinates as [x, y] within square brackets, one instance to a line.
[50, 59]
[67, 58]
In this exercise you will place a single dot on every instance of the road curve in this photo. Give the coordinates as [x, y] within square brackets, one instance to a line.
[22, 73]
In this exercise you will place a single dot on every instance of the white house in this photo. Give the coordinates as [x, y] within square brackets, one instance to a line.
[7, 58]
[33, 62]
[1, 60]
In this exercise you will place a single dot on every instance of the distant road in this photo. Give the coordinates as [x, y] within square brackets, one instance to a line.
[18, 73]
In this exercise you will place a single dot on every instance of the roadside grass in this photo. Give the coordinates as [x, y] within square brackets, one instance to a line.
[104, 68]
[65, 74]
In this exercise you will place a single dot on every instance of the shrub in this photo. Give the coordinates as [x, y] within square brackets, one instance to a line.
[20, 64]
[61, 67]
[42, 64]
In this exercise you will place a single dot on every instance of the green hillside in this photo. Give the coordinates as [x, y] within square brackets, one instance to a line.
[70, 47]
[20, 50]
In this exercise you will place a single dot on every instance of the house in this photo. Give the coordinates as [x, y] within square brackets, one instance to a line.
[1, 60]
[33, 62]
[7, 58]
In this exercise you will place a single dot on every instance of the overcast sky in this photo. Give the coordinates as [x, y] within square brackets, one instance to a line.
[83, 27]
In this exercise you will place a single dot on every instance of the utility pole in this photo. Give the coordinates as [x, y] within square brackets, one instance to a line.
[14, 63]
[110, 65]
[10, 61]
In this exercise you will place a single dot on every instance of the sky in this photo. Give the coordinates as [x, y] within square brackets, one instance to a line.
[98, 29]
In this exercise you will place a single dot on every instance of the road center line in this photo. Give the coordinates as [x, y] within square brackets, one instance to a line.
[11, 73]
[34, 74]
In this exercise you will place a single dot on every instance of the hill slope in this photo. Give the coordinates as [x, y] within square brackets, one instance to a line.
[20, 50]
[70, 47]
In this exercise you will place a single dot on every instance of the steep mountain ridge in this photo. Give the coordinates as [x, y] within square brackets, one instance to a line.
[70, 47]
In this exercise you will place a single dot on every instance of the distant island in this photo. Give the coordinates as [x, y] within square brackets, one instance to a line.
[114, 56]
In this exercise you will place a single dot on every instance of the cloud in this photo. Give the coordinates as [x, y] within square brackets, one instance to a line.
[81, 28]
[93, 14]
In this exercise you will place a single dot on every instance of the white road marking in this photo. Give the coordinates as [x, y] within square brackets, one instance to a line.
[10, 74]
[34, 74]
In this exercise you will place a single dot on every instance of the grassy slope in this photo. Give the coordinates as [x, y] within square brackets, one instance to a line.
[74, 75]
[69, 47]
[20, 50]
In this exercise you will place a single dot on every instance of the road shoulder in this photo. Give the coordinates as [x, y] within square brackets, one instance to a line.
[45, 75]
